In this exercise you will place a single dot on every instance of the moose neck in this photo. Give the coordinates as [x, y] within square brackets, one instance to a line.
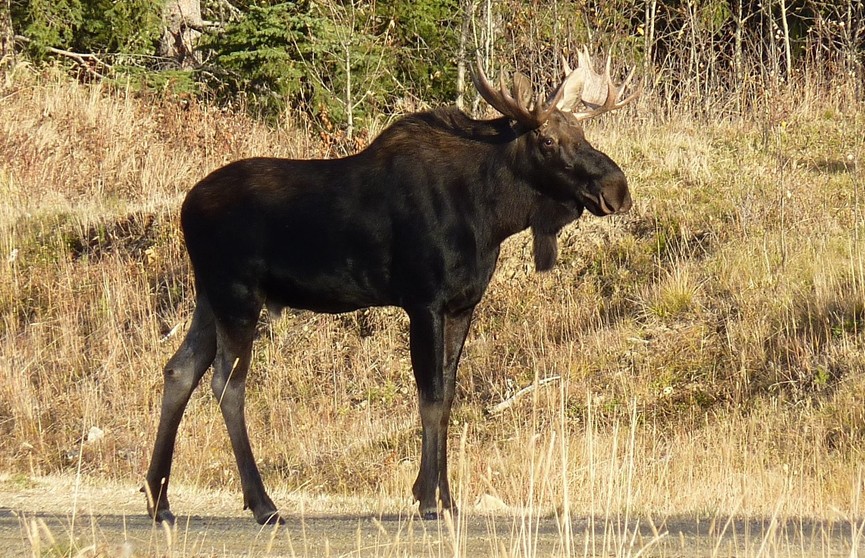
[510, 205]
[514, 203]
[491, 158]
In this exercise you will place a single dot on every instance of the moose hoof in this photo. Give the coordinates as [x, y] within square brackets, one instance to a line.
[269, 518]
[434, 513]
[164, 516]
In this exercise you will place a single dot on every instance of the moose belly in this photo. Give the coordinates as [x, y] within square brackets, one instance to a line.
[324, 292]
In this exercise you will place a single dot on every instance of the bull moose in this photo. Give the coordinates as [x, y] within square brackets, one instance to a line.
[415, 220]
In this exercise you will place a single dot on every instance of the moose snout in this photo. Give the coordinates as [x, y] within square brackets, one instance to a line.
[625, 203]
[614, 195]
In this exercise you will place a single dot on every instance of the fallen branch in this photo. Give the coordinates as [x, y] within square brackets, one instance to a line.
[509, 402]
[81, 58]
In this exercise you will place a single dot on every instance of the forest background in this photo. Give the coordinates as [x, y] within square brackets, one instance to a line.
[344, 60]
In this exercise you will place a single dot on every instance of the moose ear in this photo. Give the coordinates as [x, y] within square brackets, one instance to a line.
[546, 250]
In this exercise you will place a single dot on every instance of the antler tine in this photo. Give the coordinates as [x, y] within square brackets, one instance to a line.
[482, 84]
[522, 90]
[627, 80]
[565, 65]
[515, 98]
[596, 91]
[499, 99]
[625, 84]
[543, 112]
[503, 101]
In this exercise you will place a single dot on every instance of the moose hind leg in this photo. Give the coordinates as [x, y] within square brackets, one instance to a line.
[182, 374]
[229, 387]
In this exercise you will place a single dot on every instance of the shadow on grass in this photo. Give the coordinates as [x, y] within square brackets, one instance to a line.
[470, 534]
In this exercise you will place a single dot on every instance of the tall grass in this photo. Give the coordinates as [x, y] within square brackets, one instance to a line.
[709, 345]
[611, 523]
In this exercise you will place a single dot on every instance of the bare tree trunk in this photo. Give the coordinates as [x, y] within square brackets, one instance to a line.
[787, 52]
[694, 45]
[738, 64]
[7, 38]
[649, 30]
[183, 26]
[773, 47]
[738, 67]
[349, 104]
[486, 38]
[468, 12]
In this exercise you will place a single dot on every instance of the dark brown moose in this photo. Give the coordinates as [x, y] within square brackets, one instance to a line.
[415, 220]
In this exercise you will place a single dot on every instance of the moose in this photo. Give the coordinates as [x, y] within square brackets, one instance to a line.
[415, 220]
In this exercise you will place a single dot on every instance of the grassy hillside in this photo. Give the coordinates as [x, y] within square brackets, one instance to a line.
[708, 346]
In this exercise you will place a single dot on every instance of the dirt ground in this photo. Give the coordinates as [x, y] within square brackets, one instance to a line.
[37, 519]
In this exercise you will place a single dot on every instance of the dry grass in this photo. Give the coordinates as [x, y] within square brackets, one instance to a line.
[710, 343]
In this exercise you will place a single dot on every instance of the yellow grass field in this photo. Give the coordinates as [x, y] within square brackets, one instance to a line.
[701, 355]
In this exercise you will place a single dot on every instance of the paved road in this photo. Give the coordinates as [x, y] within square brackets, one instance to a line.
[22, 533]
[110, 523]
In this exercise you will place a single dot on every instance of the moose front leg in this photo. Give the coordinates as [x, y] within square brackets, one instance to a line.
[436, 345]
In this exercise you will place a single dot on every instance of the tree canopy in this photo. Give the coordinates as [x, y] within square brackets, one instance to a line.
[349, 59]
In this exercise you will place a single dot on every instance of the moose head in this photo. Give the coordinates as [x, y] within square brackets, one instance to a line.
[554, 144]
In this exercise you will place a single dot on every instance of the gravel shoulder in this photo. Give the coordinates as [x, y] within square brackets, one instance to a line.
[36, 518]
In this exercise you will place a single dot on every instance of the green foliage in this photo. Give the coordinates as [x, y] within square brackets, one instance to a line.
[262, 55]
[325, 60]
[47, 22]
[89, 26]
[167, 83]
[713, 16]
[127, 27]
[329, 58]
[426, 37]
[355, 74]
[344, 61]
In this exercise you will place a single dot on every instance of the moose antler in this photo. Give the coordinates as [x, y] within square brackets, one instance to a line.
[515, 103]
[596, 91]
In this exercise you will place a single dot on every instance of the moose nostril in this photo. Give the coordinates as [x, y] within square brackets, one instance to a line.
[614, 202]
[613, 194]
[605, 206]
[626, 204]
